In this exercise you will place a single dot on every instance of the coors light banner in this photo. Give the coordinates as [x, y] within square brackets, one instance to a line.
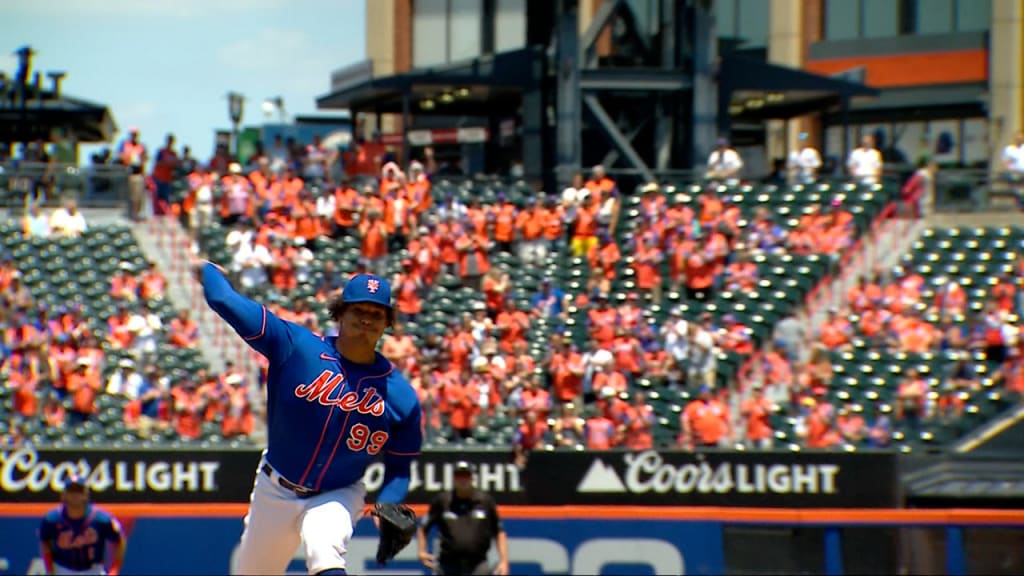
[28, 474]
[31, 475]
[754, 479]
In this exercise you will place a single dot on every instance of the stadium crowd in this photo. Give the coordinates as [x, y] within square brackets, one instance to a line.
[285, 203]
[56, 368]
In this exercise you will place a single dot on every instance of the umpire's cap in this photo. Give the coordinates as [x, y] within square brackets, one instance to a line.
[367, 288]
[76, 482]
[463, 467]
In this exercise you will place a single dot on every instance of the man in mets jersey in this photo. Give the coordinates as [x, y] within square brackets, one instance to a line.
[73, 537]
[333, 405]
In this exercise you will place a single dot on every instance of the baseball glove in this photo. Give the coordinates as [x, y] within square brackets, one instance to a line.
[397, 527]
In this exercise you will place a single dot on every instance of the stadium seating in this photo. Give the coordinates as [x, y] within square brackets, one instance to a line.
[785, 279]
[62, 272]
[867, 374]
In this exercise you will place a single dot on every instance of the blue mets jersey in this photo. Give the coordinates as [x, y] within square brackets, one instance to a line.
[327, 418]
[79, 544]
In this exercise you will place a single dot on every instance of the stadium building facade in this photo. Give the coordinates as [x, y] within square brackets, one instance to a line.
[646, 86]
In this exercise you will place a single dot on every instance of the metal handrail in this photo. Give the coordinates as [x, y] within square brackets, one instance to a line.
[92, 185]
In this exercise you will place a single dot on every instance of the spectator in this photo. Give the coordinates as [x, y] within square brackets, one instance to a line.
[14, 437]
[879, 428]
[123, 285]
[724, 162]
[83, 386]
[331, 282]
[865, 162]
[705, 422]
[599, 432]
[187, 409]
[918, 193]
[569, 427]
[400, 348]
[535, 399]
[36, 225]
[187, 164]
[164, 170]
[153, 284]
[804, 162]
[637, 424]
[531, 434]
[54, 413]
[239, 419]
[125, 381]
[251, 262]
[145, 326]
[278, 155]
[316, 167]
[133, 155]
[600, 185]
[461, 403]
[1013, 164]
[702, 357]
[16, 295]
[819, 429]
[237, 200]
[911, 399]
[530, 223]
[473, 258]
[850, 424]
[756, 411]
[183, 331]
[67, 221]
[374, 234]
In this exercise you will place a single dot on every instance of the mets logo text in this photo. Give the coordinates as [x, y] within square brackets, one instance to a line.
[373, 285]
[322, 390]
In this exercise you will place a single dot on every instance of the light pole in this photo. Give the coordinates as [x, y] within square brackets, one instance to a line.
[236, 102]
[272, 104]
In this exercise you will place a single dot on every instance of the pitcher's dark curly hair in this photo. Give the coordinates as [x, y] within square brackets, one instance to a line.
[337, 307]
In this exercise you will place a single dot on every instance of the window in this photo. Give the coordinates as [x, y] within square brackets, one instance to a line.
[975, 141]
[944, 141]
[842, 19]
[509, 25]
[880, 18]
[752, 21]
[849, 19]
[449, 31]
[645, 13]
[429, 33]
[934, 16]
[725, 18]
[465, 27]
[973, 15]
[910, 143]
[745, 20]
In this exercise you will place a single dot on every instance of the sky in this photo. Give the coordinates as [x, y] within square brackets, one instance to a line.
[167, 65]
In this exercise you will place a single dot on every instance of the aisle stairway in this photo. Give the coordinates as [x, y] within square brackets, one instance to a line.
[167, 243]
[163, 242]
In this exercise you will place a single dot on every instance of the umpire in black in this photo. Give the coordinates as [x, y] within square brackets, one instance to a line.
[467, 521]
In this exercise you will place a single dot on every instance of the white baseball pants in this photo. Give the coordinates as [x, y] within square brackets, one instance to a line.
[279, 522]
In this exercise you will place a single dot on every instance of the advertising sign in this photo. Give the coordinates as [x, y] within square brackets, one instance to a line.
[761, 479]
[183, 546]
[336, 135]
[158, 476]
[30, 475]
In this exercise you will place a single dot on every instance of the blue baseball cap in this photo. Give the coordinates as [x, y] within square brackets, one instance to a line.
[367, 288]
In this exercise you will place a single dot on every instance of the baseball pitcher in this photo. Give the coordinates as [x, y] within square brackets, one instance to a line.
[333, 406]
